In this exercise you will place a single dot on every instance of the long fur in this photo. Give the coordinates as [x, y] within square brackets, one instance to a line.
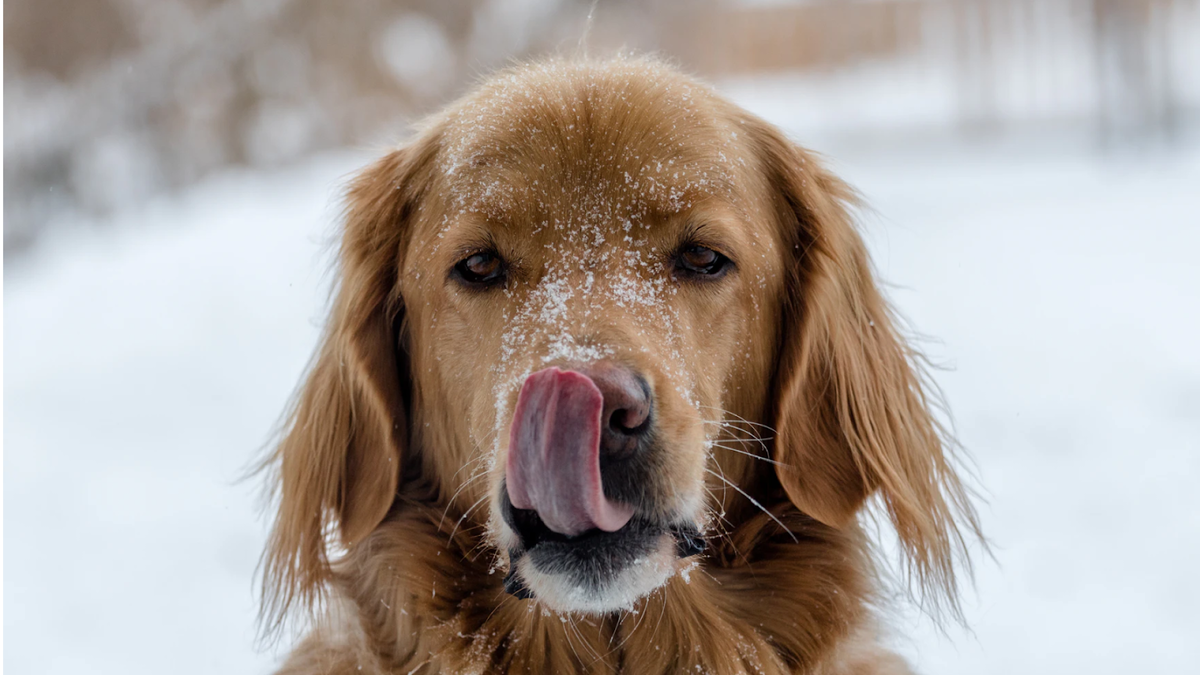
[382, 535]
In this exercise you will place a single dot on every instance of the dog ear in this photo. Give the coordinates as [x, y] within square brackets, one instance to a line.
[339, 459]
[854, 412]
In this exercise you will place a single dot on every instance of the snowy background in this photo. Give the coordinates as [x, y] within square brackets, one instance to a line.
[150, 346]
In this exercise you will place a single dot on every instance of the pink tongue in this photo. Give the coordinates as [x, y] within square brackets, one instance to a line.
[554, 454]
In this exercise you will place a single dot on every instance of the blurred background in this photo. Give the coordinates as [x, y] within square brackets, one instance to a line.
[171, 180]
[108, 102]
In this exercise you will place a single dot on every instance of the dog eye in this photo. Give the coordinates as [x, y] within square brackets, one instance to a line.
[700, 261]
[481, 269]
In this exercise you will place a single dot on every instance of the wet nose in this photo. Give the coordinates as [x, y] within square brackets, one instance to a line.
[626, 417]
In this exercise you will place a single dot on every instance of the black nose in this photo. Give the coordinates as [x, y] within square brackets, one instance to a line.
[628, 408]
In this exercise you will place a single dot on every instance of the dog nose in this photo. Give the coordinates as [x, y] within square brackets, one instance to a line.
[627, 411]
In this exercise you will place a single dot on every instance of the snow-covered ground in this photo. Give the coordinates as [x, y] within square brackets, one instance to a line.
[1066, 297]
[147, 360]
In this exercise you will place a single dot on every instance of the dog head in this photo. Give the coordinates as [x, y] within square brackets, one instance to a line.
[604, 312]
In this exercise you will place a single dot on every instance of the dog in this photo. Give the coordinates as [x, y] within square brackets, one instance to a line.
[608, 386]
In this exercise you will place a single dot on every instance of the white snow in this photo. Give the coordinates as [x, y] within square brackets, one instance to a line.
[146, 362]
[148, 358]
[1066, 297]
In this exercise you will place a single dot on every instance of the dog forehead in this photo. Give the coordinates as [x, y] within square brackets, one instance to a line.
[592, 143]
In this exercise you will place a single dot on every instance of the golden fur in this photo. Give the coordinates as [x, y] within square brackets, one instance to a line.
[387, 470]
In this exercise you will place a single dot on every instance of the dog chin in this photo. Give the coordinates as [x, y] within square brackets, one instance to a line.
[569, 591]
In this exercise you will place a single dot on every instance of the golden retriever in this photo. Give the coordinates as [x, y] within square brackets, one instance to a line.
[607, 385]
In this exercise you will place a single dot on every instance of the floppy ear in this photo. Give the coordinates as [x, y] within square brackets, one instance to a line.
[854, 402]
[339, 460]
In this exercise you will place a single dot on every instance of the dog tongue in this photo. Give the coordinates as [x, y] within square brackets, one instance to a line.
[554, 454]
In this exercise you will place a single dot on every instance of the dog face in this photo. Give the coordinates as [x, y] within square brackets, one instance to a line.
[585, 287]
[567, 308]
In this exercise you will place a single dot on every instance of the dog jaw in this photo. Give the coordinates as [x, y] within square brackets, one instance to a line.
[558, 592]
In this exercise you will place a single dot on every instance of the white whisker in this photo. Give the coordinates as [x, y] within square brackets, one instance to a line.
[457, 492]
[741, 419]
[464, 516]
[768, 460]
[754, 502]
[759, 441]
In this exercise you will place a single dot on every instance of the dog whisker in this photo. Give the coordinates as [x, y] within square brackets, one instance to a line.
[768, 460]
[464, 516]
[504, 600]
[479, 457]
[759, 441]
[736, 426]
[724, 492]
[755, 503]
[596, 656]
[741, 419]
[450, 502]
[661, 613]
[629, 634]
[742, 435]
[570, 642]
[717, 463]
[739, 424]
[721, 522]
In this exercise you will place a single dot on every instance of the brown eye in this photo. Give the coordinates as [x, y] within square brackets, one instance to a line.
[481, 269]
[700, 261]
